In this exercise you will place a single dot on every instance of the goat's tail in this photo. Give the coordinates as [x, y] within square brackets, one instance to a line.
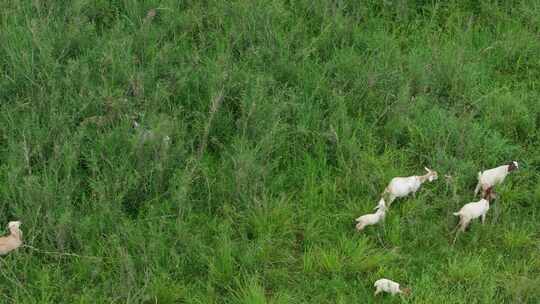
[456, 213]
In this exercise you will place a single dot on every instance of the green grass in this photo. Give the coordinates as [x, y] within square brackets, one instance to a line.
[287, 119]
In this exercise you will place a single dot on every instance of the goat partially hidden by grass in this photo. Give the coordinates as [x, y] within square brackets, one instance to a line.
[389, 286]
[13, 240]
[403, 186]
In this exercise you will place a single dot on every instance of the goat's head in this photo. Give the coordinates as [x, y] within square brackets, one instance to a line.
[381, 205]
[14, 225]
[488, 194]
[431, 174]
[513, 165]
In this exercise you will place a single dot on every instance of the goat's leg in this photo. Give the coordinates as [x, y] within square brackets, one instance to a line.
[464, 223]
[483, 218]
[460, 224]
[377, 291]
[477, 188]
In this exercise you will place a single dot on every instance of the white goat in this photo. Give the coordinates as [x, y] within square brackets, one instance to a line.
[13, 240]
[373, 218]
[389, 286]
[474, 210]
[403, 186]
[493, 177]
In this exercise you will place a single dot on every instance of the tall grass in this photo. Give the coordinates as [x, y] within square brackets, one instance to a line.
[286, 120]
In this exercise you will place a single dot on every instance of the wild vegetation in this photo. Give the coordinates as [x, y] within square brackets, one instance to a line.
[286, 120]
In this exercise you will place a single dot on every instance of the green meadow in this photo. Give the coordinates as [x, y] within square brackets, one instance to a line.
[265, 128]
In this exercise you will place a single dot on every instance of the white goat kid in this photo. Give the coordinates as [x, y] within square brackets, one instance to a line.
[403, 186]
[492, 177]
[389, 286]
[474, 210]
[373, 218]
[13, 240]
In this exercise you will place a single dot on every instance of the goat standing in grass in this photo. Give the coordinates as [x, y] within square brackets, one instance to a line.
[372, 219]
[493, 177]
[389, 286]
[474, 210]
[13, 240]
[403, 186]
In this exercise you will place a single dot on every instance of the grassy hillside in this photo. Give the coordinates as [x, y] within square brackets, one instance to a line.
[286, 121]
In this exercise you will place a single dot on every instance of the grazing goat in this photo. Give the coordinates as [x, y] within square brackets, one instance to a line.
[372, 219]
[13, 240]
[403, 186]
[389, 286]
[474, 210]
[493, 177]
